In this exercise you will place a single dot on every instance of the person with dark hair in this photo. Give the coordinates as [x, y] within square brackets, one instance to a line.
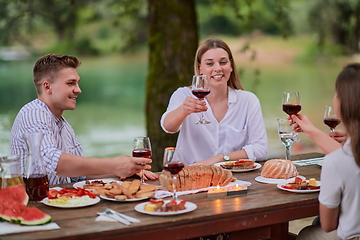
[237, 129]
[340, 175]
[57, 86]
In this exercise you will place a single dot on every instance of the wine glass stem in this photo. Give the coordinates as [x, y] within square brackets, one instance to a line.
[202, 114]
[142, 176]
[174, 186]
[332, 129]
[287, 152]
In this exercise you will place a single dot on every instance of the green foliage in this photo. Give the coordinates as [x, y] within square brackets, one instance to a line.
[81, 47]
[243, 17]
[337, 21]
[312, 54]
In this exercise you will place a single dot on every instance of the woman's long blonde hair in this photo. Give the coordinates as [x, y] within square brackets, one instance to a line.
[348, 91]
[234, 80]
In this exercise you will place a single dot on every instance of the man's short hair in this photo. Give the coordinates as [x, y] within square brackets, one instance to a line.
[47, 68]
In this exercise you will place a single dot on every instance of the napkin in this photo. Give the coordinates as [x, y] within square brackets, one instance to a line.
[104, 218]
[163, 194]
[310, 161]
[6, 228]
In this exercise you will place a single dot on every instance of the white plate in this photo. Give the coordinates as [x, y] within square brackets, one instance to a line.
[82, 183]
[127, 200]
[298, 191]
[189, 207]
[92, 201]
[275, 180]
[257, 166]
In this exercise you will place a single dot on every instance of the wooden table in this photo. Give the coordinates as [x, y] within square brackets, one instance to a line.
[262, 213]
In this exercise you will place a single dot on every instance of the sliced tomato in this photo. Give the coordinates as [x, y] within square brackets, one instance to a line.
[289, 186]
[68, 195]
[154, 200]
[91, 194]
[298, 180]
[80, 192]
[63, 191]
[52, 194]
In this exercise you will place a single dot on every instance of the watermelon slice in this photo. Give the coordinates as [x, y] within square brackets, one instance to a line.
[13, 208]
[33, 216]
[12, 194]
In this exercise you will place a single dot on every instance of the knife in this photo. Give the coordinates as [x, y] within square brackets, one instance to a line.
[128, 218]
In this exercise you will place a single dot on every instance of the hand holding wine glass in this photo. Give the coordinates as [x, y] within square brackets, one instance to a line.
[142, 148]
[201, 88]
[330, 118]
[173, 162]
[287, 136]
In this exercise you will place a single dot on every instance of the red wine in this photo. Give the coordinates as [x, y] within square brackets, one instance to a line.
[200, 93]
[332, 122]
[37, 187]
[291, 109]
[174, 167]
[142, 152]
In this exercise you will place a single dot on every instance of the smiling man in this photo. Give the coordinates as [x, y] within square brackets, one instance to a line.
[57, 85]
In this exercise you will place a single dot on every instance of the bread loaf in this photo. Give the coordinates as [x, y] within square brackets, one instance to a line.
[196, 177]
[279, 168]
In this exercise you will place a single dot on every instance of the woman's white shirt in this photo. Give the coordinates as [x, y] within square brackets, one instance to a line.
[340, 178]
[241, 128]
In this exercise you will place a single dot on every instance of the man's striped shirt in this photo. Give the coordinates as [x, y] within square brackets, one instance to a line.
[59, 137]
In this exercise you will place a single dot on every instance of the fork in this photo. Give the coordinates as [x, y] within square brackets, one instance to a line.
[130, 219]
[116, 217]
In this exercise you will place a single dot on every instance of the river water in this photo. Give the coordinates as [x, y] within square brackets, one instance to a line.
[110, 110]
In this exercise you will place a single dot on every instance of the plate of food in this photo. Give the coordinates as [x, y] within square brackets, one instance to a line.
[121, 199]
[160, 207]
[299, 185]
[70, 198]
[126, 191]
[241, 165]
[96, 183]
[275, 180]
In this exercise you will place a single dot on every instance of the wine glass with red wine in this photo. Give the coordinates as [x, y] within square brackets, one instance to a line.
[291, 105]
[200, 87]
[142, 149]
[173, 162]
[330, 118]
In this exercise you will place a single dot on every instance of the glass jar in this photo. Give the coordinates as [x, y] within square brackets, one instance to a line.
[10, 173]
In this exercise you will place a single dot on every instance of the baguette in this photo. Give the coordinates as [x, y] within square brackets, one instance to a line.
[197, 176]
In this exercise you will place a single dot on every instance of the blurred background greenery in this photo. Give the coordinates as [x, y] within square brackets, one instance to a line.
[279, 45]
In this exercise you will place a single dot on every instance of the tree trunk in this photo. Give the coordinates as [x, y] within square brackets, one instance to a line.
[173, 40]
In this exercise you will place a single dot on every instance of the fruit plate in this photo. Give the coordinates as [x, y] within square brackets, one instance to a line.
[89, 202]
[275, 180]
[126, 200]
[256, 166]
[188, 205]
[279, 185]
[106, 180]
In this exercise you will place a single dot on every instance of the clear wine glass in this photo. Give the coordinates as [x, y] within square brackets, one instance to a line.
[173, 162]
[286, 135]
[200, 87]
[331, 118]
[142, 148]
[291, 105]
